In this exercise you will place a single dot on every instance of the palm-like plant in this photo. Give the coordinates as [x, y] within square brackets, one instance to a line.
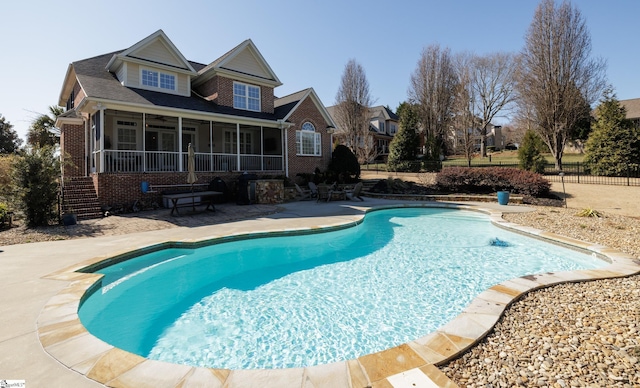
[43, 131]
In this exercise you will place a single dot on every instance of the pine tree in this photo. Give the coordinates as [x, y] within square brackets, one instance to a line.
[614, 144]
[529, 153]
[403, 150]
[9, 140]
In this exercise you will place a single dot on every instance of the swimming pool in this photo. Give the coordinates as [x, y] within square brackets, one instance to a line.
[293, 301]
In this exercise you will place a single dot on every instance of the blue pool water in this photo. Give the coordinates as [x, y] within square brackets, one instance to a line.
[296, 301]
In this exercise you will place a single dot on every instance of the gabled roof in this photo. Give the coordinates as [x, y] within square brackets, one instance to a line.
[156, 48]
[285, 106]
[243, 61]
[386, 112]
[633, 107]
[99, 84]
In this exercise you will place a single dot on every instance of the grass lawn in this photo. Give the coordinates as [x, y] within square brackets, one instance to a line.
[501, 157]
[509, 157]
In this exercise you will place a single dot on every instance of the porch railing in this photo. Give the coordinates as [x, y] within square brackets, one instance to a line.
[162, 161]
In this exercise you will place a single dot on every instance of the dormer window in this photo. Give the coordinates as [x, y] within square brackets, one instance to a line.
[246, 97]
[157, 79]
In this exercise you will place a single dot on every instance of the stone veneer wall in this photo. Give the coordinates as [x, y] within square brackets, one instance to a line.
[270, 191]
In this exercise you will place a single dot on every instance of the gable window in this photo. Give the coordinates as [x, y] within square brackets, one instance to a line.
[308, 141]
[157, 79]
[246, 97]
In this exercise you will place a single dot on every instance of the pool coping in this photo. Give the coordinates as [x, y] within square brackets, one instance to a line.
[64, 338]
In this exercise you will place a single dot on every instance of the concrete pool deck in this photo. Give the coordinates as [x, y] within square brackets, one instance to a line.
[43, 343]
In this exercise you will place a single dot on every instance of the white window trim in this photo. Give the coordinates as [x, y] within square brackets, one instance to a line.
[159, 88]
[317, 141]
[127, 124]
[246, 96]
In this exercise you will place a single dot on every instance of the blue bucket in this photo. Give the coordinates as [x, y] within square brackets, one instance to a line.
[503, 197]
[144, 186]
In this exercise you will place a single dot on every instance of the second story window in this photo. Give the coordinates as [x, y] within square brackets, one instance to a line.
[156, 79]
[246, 97]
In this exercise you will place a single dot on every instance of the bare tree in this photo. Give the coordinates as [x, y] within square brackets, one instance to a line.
[464, 121]
[493, 82]
[352, 115]
[432, 88]
[557, 74]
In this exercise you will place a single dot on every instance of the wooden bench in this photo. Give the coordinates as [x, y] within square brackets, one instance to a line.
[175, 198]
[155, 188]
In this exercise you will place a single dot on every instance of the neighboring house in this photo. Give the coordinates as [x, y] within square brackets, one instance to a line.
[131, 115]
[494, 138]
[383, 125]
[633, 110]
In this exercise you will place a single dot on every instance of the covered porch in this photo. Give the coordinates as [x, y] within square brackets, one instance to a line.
[139, 142]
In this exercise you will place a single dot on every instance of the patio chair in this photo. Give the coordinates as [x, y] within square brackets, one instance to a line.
[323, 193]
[356, 192]
[303, 194]
[314, 189]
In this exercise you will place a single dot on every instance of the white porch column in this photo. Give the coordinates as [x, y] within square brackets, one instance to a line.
[238, 145]
[101, 137]
[180, 163]
[144, 142]
[211, 145]
[261, 148]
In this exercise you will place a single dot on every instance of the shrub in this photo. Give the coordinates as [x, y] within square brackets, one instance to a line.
[3, 210]
[36, 175]
[530, 153]
[404, 166]
[344, 164]
[492, 179]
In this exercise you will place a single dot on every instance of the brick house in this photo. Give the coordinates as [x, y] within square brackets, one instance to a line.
[131, 114]
[383, 125]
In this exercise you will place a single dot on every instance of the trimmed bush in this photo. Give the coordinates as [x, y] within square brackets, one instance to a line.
[344, 164]
[530, 153]
[492, 179]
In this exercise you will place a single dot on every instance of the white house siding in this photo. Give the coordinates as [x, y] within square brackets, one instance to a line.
[245, 62]
[133, 75]
[158, 52]
[121, 74]
[183, 85]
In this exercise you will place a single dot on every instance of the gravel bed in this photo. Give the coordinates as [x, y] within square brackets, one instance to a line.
[570, 335]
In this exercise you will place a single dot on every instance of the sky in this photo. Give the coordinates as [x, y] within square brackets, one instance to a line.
[306, 43]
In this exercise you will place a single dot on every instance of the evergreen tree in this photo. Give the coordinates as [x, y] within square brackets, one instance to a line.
[9, 140]
[344, 164]
[403, 150]
[36, 176]
[530, 153]
[614, 143]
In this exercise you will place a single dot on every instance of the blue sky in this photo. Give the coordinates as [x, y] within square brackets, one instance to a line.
[306, 43]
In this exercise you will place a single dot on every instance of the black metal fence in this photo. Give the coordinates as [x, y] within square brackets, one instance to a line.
[571, 172]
